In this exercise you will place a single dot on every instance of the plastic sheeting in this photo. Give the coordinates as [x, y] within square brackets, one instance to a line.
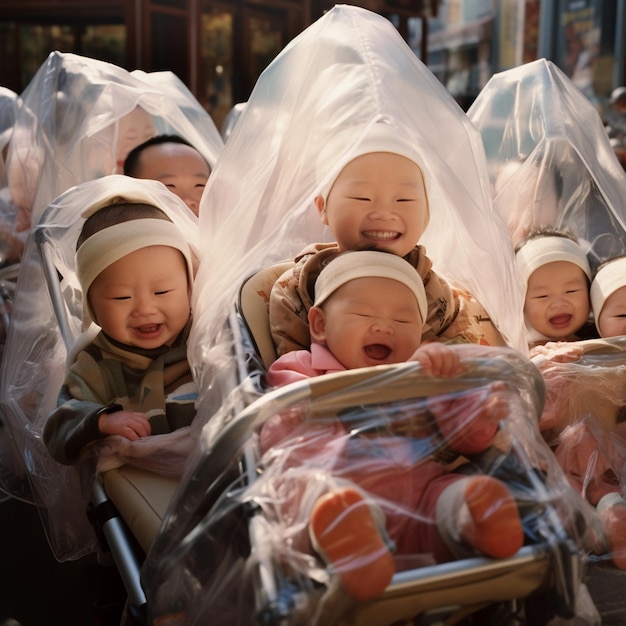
[235, 543]
[46, 329]
[345, 72]
[314, 101]
[79, 119]
[583, 420]
[550, 159]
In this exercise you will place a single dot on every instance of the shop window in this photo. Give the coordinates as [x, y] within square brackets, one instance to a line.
[216, 63]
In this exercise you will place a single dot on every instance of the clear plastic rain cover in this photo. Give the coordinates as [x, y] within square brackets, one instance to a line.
[79, 118]
[550, 159]
[76, 121]
[237, 526]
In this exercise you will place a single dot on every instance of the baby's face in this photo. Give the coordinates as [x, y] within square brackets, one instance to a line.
[134, 128]
[557, 299]
[369, 321]
[378, 200]
[181, 168]
[612, 319]
[143, 299]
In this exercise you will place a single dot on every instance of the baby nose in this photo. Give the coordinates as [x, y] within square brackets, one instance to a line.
[382, 326]
[192, 203]
[144, 304]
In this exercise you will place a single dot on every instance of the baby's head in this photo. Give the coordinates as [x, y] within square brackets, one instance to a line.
[379, 197]
[136, 272]
[556, 272]
[608, 297]
[173, 161]
[369, 308]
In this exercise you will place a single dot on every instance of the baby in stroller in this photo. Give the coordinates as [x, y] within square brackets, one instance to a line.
[369, 309]
[136, 272]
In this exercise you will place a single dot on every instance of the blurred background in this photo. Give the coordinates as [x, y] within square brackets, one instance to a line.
[219, 48]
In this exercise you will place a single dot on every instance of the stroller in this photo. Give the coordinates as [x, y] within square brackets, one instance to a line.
[71, 503]
[68, 129]
[223, 554]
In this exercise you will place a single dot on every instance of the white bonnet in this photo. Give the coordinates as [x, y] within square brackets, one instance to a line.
[378, 137]
[369, 264]
[608, 279]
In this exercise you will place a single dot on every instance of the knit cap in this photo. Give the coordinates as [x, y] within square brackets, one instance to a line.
[110, 244]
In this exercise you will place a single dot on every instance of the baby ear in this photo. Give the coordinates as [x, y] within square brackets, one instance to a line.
[317, 324]
[320, 205]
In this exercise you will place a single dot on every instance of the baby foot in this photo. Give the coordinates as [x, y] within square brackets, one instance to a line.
[493, 526]
[345, 534]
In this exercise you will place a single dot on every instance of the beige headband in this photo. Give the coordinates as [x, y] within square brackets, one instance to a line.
[111, 244]
[607, 281]
[543, 250]
[369, 264]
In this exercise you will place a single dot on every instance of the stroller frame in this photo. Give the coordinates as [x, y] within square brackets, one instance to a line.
[545, 573]
[127, 504]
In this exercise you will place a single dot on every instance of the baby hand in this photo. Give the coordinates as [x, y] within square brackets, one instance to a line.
[129, 424]
[558, 351]
[437, 359]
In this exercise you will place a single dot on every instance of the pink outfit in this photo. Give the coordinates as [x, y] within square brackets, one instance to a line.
[406, 485]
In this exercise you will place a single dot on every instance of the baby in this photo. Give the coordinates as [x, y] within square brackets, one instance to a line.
[378, 200]
[583, 417]
[556, 272]
[136, 273]
[369, 309]
[173, 161]
[608, 297]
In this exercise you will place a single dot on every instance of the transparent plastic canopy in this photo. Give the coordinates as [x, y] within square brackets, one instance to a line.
[46, 331]
[309, 111]
[550, 159]
[79, 119]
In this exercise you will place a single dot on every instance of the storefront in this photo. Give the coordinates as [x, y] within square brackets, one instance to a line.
[217, 48]
[470, 40]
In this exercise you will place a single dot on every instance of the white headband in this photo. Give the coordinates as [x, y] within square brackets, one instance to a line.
[543, 250]
[369, 264]
[111, 244]
[608, 280]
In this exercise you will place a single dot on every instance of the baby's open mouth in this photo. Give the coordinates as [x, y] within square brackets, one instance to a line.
[148, 329]
[381, 235]
[561, 321]
[377, 351]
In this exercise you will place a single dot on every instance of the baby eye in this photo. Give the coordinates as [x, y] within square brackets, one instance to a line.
[161, 293]
[121, 298]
